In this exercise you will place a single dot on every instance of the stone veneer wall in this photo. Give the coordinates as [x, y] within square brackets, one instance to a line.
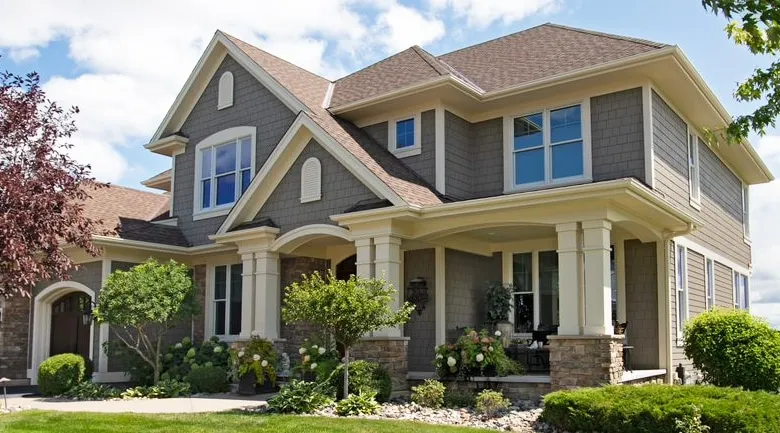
[291, 270]
[390, 353]
[13, 337]
[512, 390]
[582, 361]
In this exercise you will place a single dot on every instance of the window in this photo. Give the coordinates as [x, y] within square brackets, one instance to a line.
[681, 282]
[741, 291]
[709, 277]
[404, 136]
[746, 211]
[548, 290]
[311, 180]
[694, 183]
[548, 147]
[524, 293]
[225, 93]
[225, 172]
[227, 299]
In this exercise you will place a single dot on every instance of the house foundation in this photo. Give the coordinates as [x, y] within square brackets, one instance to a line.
[583, 361]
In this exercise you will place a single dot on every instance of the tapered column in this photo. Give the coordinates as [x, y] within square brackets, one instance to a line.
[247, 294]
[388, 266]
[598, 277]
[364, 260]
[267, 296]
[569, 278]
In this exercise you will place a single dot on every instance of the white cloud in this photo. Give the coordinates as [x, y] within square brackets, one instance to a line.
[482, 13]
[21, 55]
[401, 27]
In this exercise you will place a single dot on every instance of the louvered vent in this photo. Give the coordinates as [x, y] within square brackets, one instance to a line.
[311, 180]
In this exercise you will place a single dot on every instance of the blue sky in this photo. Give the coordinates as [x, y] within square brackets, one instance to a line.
[123, 64]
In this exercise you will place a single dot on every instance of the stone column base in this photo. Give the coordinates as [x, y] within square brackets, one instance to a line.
[583, 361]
[390, 353]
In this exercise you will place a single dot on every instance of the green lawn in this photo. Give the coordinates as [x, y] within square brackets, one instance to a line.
[40, 421]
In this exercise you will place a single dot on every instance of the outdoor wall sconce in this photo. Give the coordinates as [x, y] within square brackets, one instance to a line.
[417, 294]
[86, 313]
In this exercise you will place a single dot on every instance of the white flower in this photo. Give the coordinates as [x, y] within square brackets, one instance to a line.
[256, 357]
[313, 365]
[451, 361]
[302, 350]
[264, 363]
[321, 350]
[490, 349]
[240, 354]
[480, 357]
[439, 356]
[178, 345]
[218, 349]
[306, 359]
[497, 333]
[314, 347]
[254, 333]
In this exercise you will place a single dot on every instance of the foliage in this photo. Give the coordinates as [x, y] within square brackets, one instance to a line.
[490, 402]
[60, 373]
[458, 399]
[429, 394]
[183, 357]
[42, 188]
[302, 397]
[691, 423]
[362, 403]
[91, 391]
[364, 376]
[347, 310]
[163, 389]
[657, 408]
[498, 302]
[144, 303]
[474, 354]
[256, 355]
[319, 358]
[734, 348]
[756, 25]
[138, 370]
[208, 379]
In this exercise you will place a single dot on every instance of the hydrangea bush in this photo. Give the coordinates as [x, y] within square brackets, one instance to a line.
[258, 356]
[474, 354]
[183, 357]
[318, 359]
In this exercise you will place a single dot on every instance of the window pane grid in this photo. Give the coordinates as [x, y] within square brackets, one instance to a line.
[226, 171]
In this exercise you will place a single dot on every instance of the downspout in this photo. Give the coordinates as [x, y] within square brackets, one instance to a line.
[667, 296]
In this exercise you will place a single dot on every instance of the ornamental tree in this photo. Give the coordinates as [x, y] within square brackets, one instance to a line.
[756, 25]
[144, 303]
[347, 310]
[41, 188]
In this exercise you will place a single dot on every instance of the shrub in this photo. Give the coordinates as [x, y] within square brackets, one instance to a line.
[458, 399]
[657, 408]
[365, 376]
[131, 363]
[257, 356]
[429, 394]
[734, 348]
[302, 397]
[474, 354]
[208, 379]
[183, 357]
[91, 391]
[318, 358]
[362, 403]
[490, 402]
[691, 423]
[498, 302]
[163, 389]
[60, 373]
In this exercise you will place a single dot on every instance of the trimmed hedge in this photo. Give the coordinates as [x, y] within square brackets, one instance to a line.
[60, 373]
[655, 408]
[208, 380]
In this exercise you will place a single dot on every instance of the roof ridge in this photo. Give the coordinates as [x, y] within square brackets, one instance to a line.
[375, 64]
[432, 61]
[610, 35]
[111, 185]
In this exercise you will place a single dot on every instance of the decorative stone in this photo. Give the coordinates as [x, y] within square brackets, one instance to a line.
[582, 361]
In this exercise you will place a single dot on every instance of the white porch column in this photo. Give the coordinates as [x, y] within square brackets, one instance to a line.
[267, 296]
[388, 266]
[439, 296]
[568, 278]
[365, 257]
[598, 286]
[247, 295]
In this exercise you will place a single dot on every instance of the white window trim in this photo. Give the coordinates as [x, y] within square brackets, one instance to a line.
[311, 191]
[225, 90]
[746, 212]
[739, 292]
[681, 285]
[224, 136]
[210, 313]
[709, 282]
[587, 163]
[391, 137]
[694, 172]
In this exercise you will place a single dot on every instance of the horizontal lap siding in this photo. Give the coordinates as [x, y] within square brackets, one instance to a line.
[678, 356]
[724, 286]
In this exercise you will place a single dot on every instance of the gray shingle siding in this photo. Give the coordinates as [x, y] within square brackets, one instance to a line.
[458, 163]
[466, 275]
[340, 190]
[253, 105]
[721, 189]
[617, 135]
[642, 303]
[487, 144]
[421, 327]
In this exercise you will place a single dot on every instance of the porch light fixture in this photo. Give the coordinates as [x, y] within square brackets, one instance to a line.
[86, 313]
[417, 294]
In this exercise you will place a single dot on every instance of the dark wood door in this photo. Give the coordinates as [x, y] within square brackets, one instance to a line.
[346, 268]
[68, 332]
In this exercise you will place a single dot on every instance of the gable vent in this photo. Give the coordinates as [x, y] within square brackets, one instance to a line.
[311, 180]
[225, 97]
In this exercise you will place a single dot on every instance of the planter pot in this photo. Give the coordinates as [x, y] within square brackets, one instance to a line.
[246, 384]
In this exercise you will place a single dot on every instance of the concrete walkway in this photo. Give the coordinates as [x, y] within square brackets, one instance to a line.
[210, 403]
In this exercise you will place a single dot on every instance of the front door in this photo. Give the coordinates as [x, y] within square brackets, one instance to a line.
[69, 334]
[346, 268]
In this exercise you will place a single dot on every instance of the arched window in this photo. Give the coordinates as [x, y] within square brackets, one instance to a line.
[225, 98]
[311, 180]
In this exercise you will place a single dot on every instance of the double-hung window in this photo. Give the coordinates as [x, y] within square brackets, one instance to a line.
[746, 211]
[681, 282]
[548, 147]
[741, 291]
[709, 277]
[694, 177]
[227, 300]
[225, 172]
[522, 278]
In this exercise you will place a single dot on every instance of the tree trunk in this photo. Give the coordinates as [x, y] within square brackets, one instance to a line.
[157, 366]
[346, 371]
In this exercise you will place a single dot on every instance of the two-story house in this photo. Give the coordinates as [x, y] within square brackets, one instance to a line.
[567, 162]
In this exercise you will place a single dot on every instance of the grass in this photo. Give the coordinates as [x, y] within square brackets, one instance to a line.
[82, 422]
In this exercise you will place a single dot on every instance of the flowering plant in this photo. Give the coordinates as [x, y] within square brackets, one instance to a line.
[318, 358]
[474, 354]
[256, 355]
